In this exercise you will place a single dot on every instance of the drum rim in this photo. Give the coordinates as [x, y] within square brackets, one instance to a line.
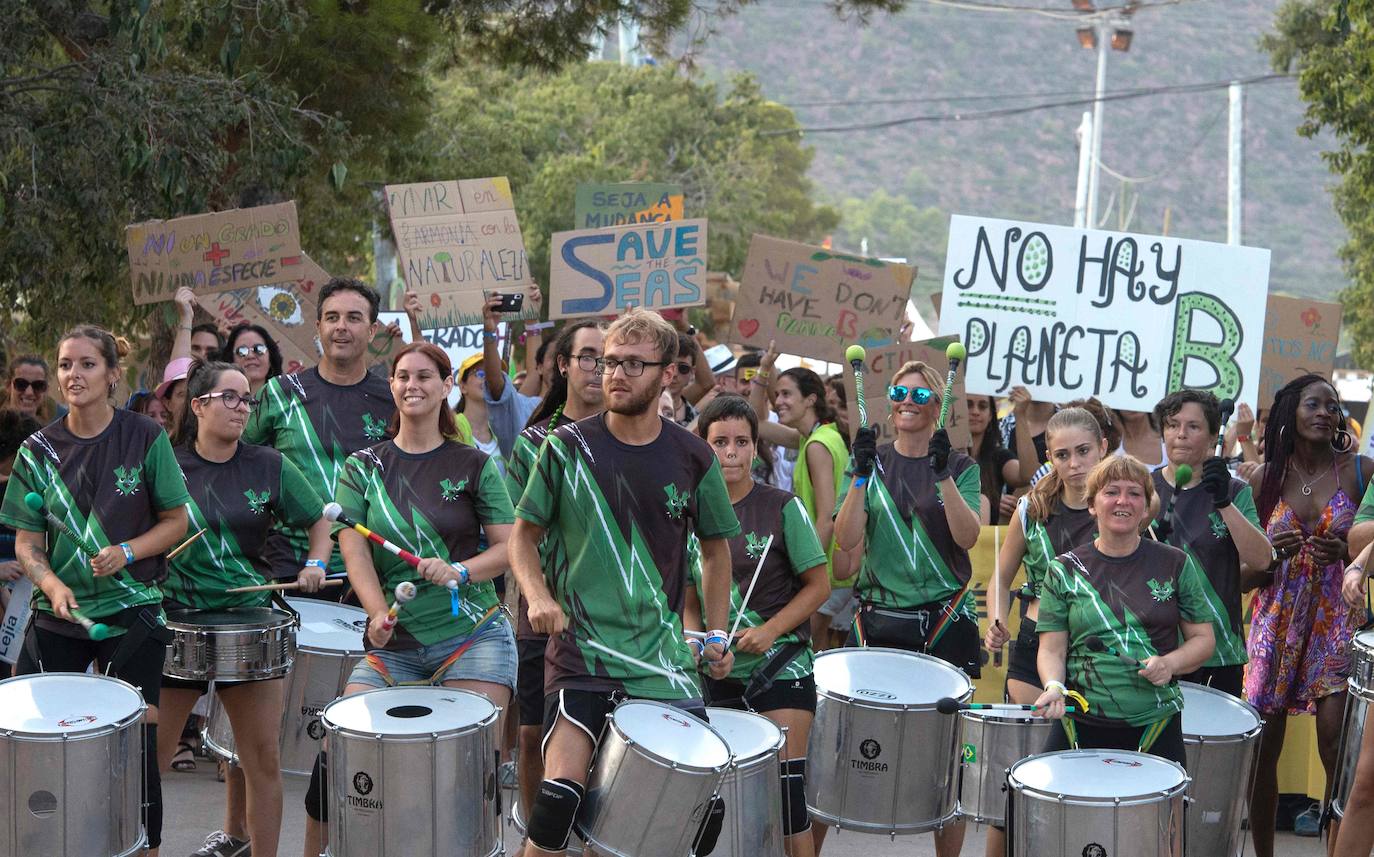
[1364, 693]
[120, 725]
[276, 672]
[656, 757]
[763, 755]
[1080, 800]
[879, 704]
[282, 617]
[316, 650]
[1230, 737]
[414, 737]
[890, 829]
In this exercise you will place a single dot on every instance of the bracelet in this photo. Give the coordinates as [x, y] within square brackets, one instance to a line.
[128, 553]
[463, 575]
[488, 334]
[693, 641]
[1243, 438]
[860, 481]
[316, 563]
[1057, 685]
[762, 375]
[1354, 566]
[718, 636]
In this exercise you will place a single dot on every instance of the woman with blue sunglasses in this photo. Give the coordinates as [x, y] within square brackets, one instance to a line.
[911, 511]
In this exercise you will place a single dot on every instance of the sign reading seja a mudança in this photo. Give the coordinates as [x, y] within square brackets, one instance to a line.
[1070, 313]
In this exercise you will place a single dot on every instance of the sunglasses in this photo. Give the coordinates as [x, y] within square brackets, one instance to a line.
[245, 350]
[22, 384]
[919, 395]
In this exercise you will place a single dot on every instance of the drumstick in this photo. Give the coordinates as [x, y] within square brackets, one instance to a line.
[855, 354]
[955, 352]
[96, 630]
[34, 501]
[1183, 474]
[752, 581]
[1227, 406]
[950, 705]
[276, 587]
[334, 512]
[172, 554]
[405, 591]
[1095, 644]
[607, 650]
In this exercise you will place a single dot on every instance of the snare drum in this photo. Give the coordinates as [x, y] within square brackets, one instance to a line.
[881, 758]
[752, 788]
[992, 743]
[243, 644]
[71, 766]
[1361, 694]
[1221, 739]
[412, 773]
[652, 781]
[1097, 803]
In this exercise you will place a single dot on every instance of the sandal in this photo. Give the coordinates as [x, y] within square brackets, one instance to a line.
[185, 758]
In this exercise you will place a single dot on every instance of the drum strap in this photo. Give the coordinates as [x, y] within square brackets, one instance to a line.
[376, 662]
[1152, 733]
[141, 624]
[763, 677]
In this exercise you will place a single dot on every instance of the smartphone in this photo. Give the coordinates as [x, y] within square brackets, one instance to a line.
[511, 302]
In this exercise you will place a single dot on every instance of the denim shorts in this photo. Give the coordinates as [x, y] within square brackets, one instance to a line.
[840, 607]
[491, 658]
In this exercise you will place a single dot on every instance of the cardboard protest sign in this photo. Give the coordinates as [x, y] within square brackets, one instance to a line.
[458, 242]
[627, 203]
[1299, 337]
[880, 362]
[1070, 313]
[459, 343]
[658, 266]
[214, 252]
[815, 303]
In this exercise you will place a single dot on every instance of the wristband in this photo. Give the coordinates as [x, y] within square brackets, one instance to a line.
[700, 646]
[718, 636]
[128, 553]
[1243, 438]
[463, 575]
[317, 563]
[1057, 685]
[488, 334]
[860, 481]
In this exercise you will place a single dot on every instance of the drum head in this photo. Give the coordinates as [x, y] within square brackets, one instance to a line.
[747, 735]
[408, 711]
[336, 627]
[889, 677]
[671, 733]
[1365, 640]
[1210, 712]
[1098, 774]
[65, 703]
[237, 619]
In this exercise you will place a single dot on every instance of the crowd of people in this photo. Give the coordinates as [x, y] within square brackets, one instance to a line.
[634, 490]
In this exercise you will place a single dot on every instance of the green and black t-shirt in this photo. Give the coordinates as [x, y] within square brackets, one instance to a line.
[433, 504]
[767, 511]
[316, 425]
[1199, 530]
[910, 558]
[236, 503]
[615, 553]
[523, 455]
[109, 489]
[1135, 605]
[1064, 530]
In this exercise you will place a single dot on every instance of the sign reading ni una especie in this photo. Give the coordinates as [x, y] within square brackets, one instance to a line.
[606, 271]
[1127, 318]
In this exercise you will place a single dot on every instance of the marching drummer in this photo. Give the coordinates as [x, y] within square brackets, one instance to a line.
[432, 496]
[237, 491]
[112, 480]
[773, 657]
[1111, 615]
[1215, 521]
[616, 496]
[911, 509]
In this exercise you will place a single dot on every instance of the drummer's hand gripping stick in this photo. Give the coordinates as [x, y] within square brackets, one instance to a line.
[34, 500]
[334, 512]
[405, 592]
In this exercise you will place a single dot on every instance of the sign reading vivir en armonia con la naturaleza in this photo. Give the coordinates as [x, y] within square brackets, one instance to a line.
[1070, 313]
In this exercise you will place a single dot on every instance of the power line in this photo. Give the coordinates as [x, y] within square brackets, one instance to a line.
[1178, 89]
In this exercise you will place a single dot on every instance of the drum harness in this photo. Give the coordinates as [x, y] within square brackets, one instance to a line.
[140, 623]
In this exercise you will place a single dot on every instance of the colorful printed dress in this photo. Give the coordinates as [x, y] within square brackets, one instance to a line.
[1301, 629]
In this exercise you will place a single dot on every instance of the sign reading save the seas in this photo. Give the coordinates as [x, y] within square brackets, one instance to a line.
[1070, 313]
[627, 203]
[606, 271]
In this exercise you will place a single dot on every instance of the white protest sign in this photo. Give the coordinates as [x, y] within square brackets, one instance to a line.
[459, 343]
[1070, 313]
[15, 621]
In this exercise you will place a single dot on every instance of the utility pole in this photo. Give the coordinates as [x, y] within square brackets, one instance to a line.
[1098, 88]
[1098, 33]
[1085, 159]
[1235, 164]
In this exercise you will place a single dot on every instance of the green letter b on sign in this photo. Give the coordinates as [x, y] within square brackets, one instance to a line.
[1221, 356]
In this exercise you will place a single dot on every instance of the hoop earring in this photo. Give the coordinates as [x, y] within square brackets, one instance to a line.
[1281, 428]
[1342, 441]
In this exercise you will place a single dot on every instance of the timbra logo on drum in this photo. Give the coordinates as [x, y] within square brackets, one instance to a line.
[870, 750]
[1092, 849]
[362, 784]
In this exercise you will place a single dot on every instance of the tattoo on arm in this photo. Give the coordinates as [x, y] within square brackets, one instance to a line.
[34, 561]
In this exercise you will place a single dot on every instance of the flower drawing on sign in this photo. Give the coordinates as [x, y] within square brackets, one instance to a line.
[1311, 317]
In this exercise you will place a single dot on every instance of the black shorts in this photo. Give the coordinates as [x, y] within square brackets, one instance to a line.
[203, 686]
[1225, 679]
[1025, 649]
[588, 709]
[884, 627]
[529, 681]
[798, 694]
[60, 653]
[1100, 736]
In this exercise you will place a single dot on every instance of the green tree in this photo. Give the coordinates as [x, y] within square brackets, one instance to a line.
[894, 224]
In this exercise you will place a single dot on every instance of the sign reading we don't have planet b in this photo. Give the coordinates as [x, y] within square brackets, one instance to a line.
[1069, 313]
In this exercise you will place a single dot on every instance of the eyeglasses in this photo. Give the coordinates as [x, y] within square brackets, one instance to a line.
[231, 399]
[685, 368]
[633, 367]
[245, 350]
[589, 363]
[919, 395]
[22, 384]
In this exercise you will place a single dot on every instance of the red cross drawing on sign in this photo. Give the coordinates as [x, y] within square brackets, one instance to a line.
[215, 254]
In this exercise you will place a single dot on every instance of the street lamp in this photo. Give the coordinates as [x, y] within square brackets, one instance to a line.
[1097, 36]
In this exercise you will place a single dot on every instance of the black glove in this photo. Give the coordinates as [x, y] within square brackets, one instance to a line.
[864, 451]
[1216, 481]
[939, 454]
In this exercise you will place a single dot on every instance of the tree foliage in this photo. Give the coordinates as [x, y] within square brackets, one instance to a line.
[895, 225]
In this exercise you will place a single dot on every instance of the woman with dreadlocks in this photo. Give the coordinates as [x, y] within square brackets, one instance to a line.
[1300, 635]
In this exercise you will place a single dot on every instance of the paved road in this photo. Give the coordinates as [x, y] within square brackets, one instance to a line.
[195, 806]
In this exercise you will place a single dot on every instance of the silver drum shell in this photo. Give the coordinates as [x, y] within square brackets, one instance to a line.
[261, 645]
[1046, 824]
[76, 794]
[427, 795]
[995, 741]
[752, 791]
[1222, 767]
[1352, 737]
[1362, 664]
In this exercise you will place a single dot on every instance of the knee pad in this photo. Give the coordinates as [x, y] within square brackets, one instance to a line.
[152, 788]
[795, 816]
[554, 811]
[710, 827]
[315, 805]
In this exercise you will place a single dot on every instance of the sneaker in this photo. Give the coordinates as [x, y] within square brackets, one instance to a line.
[221, 844]
[1309, 822]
